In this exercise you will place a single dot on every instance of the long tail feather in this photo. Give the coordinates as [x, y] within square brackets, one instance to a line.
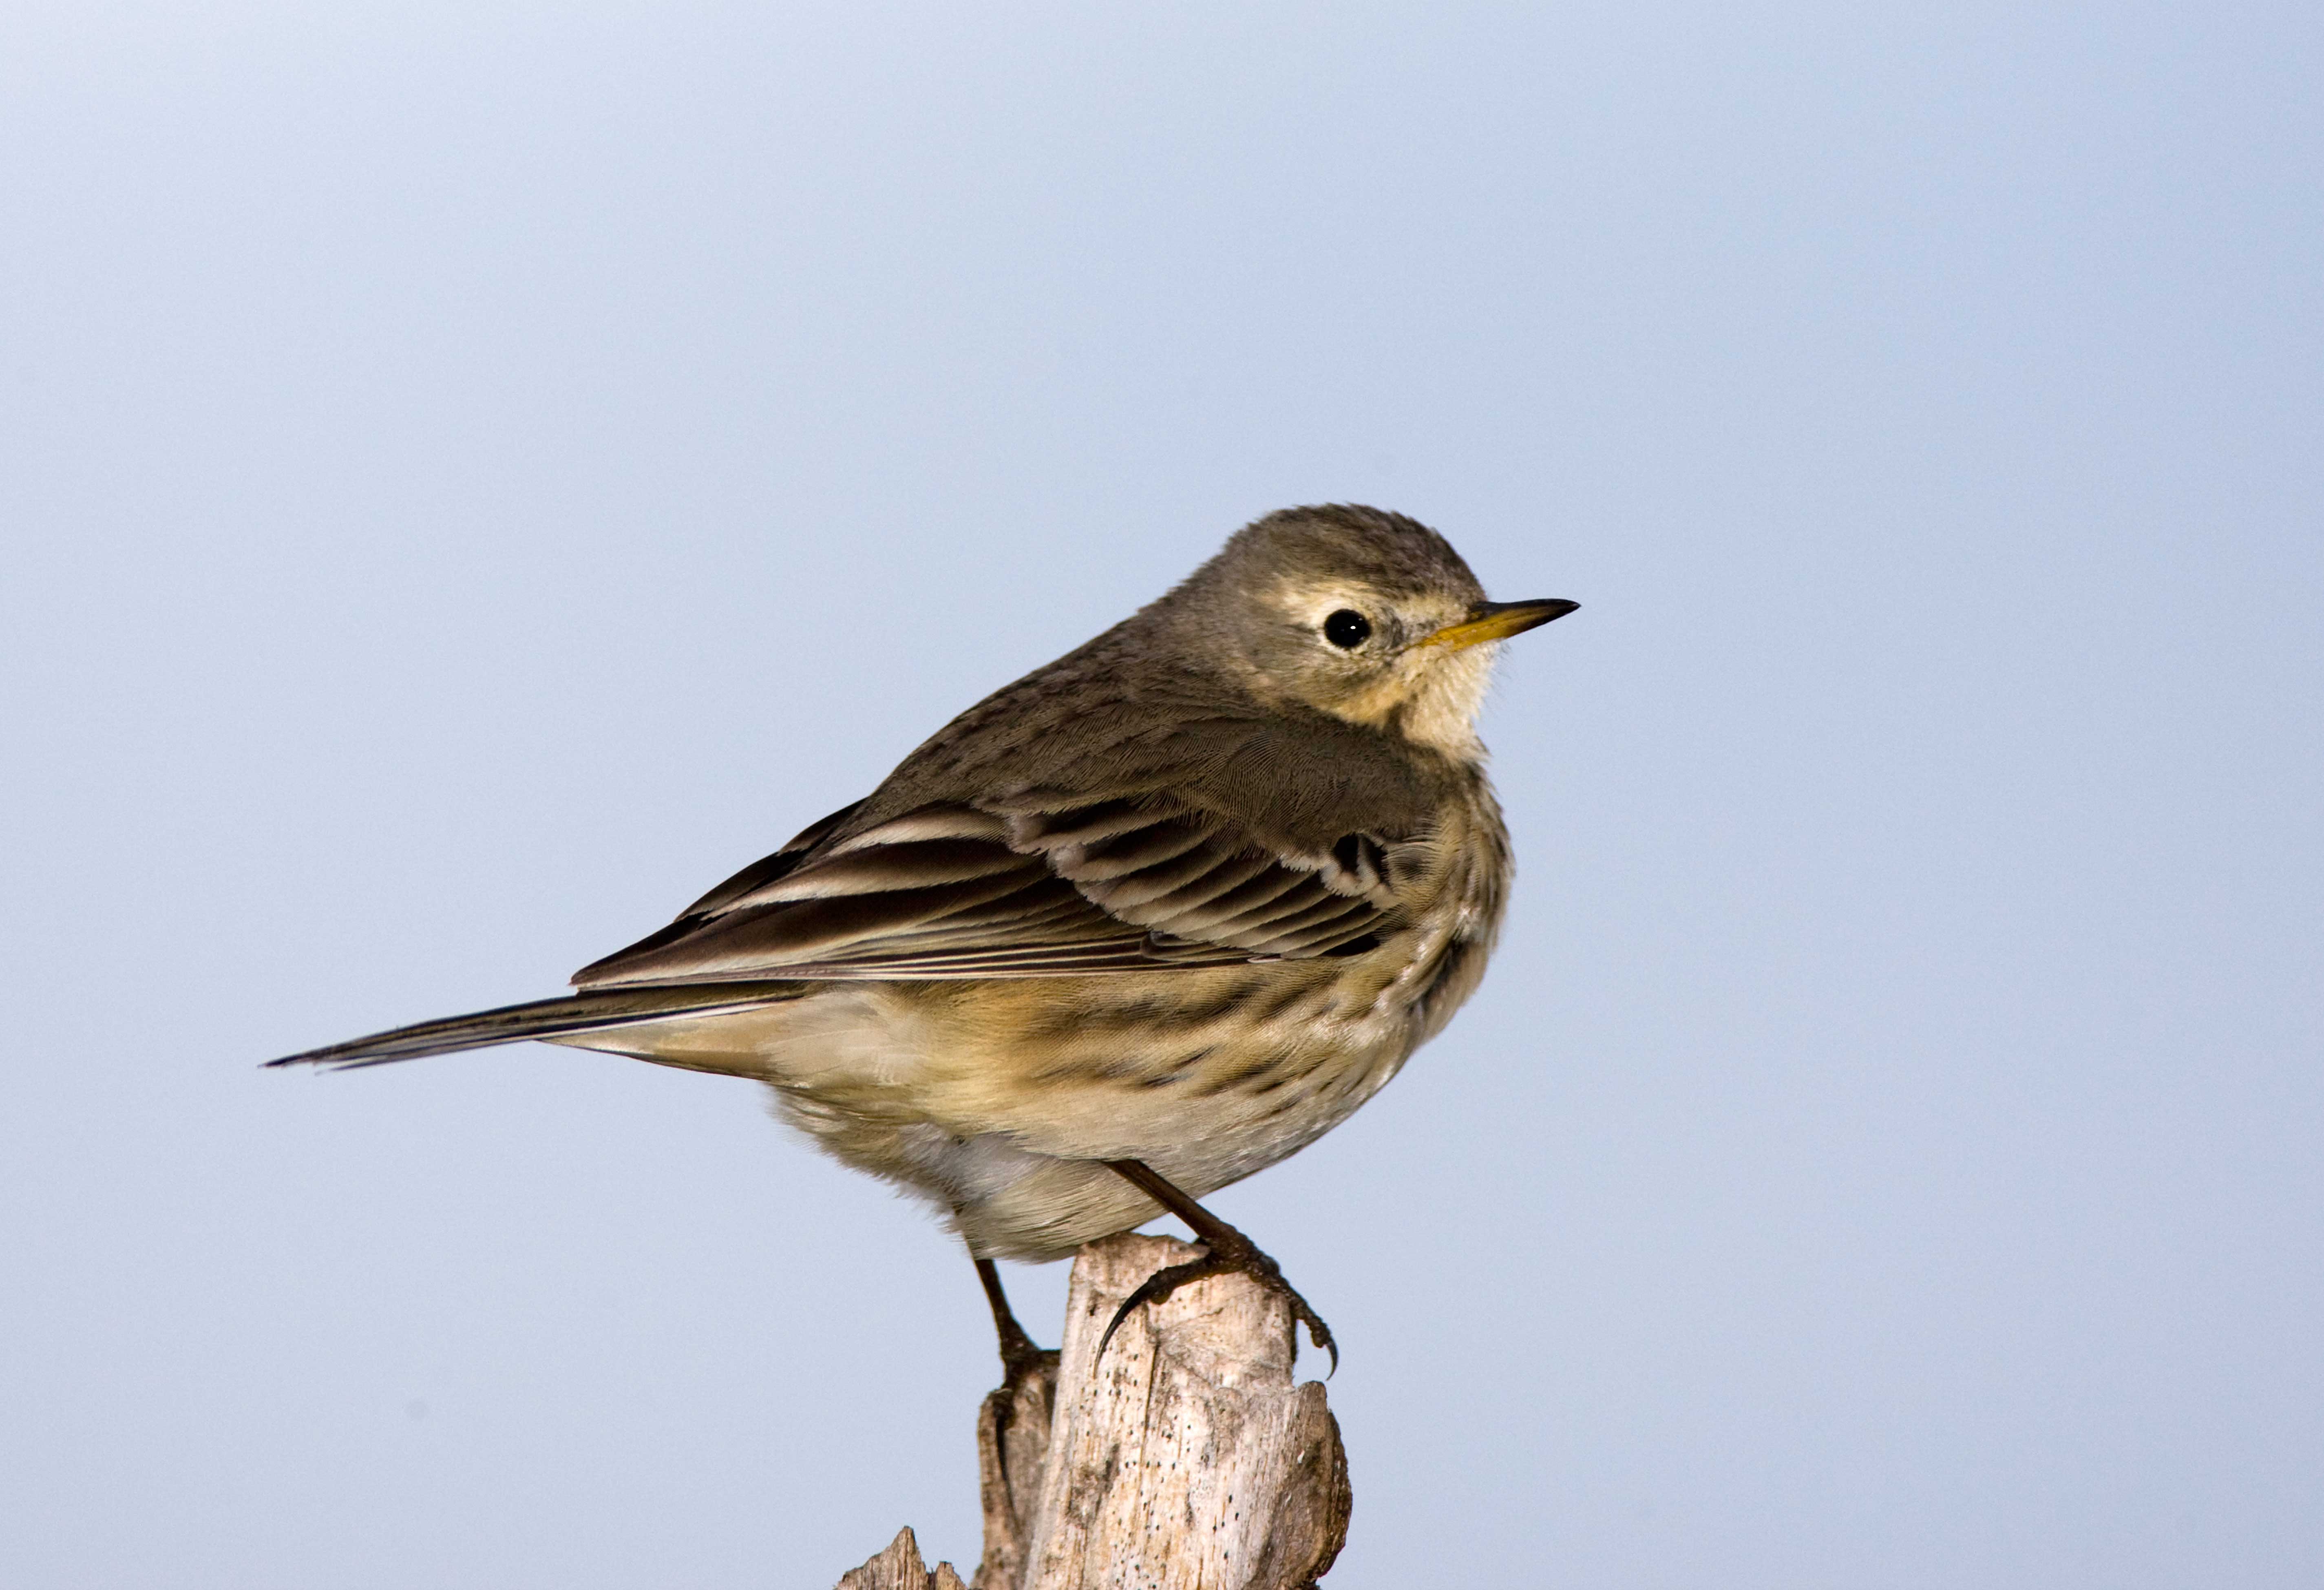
[543, 1019]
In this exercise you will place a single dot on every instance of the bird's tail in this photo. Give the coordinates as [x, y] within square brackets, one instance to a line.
[590, 1012]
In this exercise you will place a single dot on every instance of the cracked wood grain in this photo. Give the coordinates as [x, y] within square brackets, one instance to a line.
[1188, 1459]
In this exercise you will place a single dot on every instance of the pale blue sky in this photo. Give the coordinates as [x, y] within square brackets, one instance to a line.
[474, 475]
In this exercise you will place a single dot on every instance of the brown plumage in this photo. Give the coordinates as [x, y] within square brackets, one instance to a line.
[1186, 896]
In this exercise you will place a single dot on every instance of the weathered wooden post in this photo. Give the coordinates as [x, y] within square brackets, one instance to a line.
[1187, 1460]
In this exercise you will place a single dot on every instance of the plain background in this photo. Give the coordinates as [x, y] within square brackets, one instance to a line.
[476, 475]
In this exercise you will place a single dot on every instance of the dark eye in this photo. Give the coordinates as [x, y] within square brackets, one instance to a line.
[1347, 628]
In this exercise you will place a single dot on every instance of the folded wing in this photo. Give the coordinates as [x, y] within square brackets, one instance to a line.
[953, 891]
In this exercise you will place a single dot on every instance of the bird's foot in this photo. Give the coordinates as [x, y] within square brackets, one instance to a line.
[1022, 1357]
[1021, 1360]
[1227, 1252]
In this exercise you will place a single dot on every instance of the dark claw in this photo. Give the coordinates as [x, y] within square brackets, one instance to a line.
[1226, 1259]
[1020, 1357]
[1017, 1368]
[1153, 1289]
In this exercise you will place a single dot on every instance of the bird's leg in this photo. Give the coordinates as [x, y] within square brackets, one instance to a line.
[1019, 1357]
[1225, 1250]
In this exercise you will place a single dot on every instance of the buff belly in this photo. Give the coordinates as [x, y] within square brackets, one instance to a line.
[993, 1098]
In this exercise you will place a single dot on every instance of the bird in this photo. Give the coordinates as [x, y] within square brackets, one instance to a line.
[1152, 918]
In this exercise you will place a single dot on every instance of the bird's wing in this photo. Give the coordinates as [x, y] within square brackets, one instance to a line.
[951, 890]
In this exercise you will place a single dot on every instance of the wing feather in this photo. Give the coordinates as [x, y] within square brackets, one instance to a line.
[952, 891]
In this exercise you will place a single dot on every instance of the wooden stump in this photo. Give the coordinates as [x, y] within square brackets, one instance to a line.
[1187, 1459]
[899, 1567]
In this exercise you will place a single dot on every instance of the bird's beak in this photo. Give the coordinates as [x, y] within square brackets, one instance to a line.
[1497, 621]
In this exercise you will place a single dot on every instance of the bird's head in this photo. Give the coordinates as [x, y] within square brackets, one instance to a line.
[1368, 616]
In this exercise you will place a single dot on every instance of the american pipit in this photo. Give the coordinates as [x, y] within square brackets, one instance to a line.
[1152, 918]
